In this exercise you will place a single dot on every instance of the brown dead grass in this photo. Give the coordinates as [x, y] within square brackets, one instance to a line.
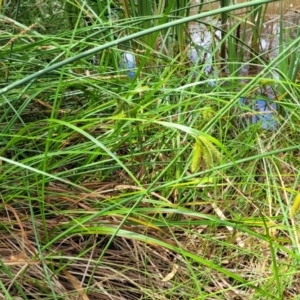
[129, 269]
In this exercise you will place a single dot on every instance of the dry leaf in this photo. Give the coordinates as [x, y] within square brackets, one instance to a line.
[171, 274]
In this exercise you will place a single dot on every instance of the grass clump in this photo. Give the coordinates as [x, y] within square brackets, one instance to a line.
[135, 161]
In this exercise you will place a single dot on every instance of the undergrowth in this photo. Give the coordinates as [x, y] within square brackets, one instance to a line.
[134, 163]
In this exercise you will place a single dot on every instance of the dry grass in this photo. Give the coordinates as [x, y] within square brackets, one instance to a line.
[88, 265]
[98, 199]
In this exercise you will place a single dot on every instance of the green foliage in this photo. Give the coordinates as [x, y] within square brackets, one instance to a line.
[128, 170]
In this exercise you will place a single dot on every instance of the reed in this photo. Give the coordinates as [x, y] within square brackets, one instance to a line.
[139, 158]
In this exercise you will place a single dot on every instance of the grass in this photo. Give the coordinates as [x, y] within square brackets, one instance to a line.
[156, 185]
